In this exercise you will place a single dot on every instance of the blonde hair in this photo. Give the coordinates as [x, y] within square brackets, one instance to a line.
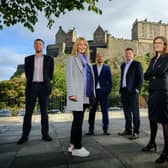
[75, 47]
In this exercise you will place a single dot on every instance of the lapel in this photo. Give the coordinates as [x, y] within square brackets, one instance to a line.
[79, 64]
[32, 64]
[122, 68]
[157, 63]
[95, 71]
[44, 66]
[130, 68]
[101, 72]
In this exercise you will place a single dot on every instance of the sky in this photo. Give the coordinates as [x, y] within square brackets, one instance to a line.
[118, 16]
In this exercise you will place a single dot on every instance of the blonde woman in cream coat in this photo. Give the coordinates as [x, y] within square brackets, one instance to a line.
[80, 92]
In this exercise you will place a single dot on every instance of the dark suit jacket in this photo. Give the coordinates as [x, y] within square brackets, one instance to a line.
[134, 76]
[158, 76]
[48, 69]
[104, 79]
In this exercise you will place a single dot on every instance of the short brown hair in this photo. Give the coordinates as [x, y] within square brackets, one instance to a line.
[129, 49]
[38, 39]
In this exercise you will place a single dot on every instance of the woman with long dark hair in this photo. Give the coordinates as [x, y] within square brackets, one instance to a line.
[157, 75]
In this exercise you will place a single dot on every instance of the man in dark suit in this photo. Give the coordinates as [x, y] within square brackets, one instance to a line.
[130, 86]
[39, 70]
[103, 85]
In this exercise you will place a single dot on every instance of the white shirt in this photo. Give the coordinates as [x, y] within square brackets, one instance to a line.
[99, 68]
[38, 69]
[127, 65]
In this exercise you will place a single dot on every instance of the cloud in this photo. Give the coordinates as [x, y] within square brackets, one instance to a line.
[6, 72]
[9, 59]
[117, 19]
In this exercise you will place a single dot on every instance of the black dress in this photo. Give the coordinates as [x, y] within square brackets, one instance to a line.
[157, 74]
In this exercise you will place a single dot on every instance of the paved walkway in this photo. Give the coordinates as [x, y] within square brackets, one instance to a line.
[106, 151]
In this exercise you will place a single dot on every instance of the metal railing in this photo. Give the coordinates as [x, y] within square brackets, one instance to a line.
[56, 104]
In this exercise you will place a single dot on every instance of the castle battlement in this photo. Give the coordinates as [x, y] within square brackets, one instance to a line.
[143, 32]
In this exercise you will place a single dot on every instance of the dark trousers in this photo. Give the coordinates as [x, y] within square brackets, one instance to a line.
[103, 99]
[130, 102]
[36, 92]
[76, 129]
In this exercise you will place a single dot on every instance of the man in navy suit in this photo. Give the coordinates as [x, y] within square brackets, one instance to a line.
[103, 84]
[39, 70]
[130, 86]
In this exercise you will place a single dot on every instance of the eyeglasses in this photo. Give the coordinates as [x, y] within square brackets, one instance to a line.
[160, 43]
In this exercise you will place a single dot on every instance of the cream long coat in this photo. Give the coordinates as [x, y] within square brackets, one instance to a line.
[75, 82]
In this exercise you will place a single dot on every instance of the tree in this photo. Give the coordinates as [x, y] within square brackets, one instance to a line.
[59, 81]
[26, 11]
[12, 94]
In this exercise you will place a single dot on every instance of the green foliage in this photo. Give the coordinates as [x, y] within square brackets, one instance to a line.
[12, 89]
[59, 83]
[145, 63]
[26, 11]
[12, 94]
[114, 63]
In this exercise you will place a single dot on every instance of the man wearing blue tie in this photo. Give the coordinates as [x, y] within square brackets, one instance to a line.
[130, 86]
[103, 84]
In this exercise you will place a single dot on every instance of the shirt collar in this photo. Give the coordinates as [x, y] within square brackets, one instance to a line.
[129, 62]
[39, 56]
[100, 66]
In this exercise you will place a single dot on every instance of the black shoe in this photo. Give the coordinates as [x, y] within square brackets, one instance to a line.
[47, 138]
[106, 133]
[133, 136]
[124, 133]
[150, 147]
[89, 133]
[22, 140]
[163, 157]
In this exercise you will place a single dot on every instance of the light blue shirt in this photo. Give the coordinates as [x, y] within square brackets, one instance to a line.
[127, 65]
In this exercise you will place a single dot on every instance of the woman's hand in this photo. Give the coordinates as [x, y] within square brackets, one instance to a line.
[73, 98]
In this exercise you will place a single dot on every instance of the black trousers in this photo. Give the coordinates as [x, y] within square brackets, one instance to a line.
[130, 102]
[101, 97]
[76, 129]
[36, 92]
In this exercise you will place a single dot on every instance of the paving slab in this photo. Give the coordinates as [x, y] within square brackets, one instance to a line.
[112, 151]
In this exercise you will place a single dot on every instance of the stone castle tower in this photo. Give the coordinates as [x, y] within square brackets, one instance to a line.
[143, 33]
[100, 36]
[64, 41]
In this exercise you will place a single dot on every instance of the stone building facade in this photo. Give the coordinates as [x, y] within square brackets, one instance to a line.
[143, 33]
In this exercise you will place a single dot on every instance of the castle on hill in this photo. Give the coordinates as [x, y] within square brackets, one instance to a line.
[143, 33]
